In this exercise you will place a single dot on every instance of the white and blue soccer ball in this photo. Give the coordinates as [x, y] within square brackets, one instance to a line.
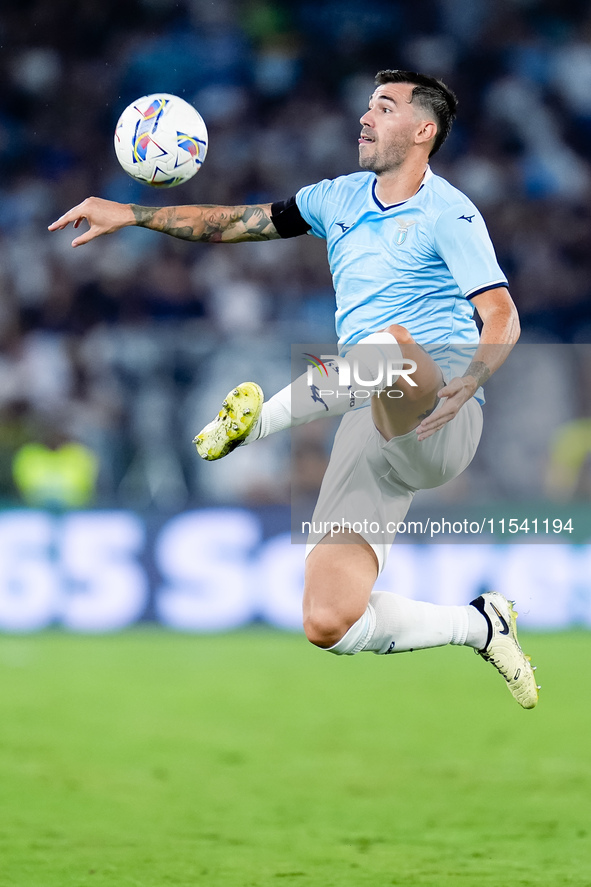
[161, 140]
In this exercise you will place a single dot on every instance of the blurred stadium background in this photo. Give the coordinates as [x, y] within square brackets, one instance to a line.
[151, 758]
[114, 355]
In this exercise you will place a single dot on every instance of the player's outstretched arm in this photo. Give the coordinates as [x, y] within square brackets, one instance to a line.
[500, 332]
[205, 223]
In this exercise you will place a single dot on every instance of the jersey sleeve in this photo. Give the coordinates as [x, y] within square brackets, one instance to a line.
[312, 204]
[463, 242]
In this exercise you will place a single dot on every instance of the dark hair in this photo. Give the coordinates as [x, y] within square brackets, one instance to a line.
[432, 95]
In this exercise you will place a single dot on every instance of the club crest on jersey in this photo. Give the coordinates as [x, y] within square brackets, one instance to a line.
[403, 226]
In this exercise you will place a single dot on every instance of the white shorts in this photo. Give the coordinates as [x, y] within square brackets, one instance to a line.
[370, 482]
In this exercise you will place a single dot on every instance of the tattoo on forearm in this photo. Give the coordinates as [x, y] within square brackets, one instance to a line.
[255, 220]
[479, 371]
[144, 214]
[184, 233]
[208, 223]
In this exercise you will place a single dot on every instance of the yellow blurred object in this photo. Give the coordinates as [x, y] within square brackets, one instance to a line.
[569, 450]
[63, 477]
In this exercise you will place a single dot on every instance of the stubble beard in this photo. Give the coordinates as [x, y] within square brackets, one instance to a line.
[389, 160]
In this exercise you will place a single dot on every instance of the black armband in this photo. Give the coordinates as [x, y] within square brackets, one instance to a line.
[287, 218]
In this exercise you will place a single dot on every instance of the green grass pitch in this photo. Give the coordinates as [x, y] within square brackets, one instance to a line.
[156, 759]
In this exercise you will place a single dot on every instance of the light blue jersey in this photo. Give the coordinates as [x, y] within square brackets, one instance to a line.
[415, 263]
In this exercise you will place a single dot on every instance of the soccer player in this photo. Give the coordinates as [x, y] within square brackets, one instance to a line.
[411, 259]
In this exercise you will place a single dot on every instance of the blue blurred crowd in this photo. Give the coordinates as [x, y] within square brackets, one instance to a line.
[127, 344]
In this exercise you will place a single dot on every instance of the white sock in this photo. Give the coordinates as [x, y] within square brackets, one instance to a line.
[401, 624]
[358, 636]
[275, 416]
[298, 403]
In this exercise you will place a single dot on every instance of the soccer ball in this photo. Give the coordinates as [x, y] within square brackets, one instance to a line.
[161, 140]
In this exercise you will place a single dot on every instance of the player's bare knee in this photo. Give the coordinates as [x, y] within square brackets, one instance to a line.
[400, 333]
[324, 628]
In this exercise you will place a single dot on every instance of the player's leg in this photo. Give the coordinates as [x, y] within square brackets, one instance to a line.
[369, 483]
[344, 616]
[326, 392]
[339, 576]
[402, 407]
[245, 416]
[397, 408]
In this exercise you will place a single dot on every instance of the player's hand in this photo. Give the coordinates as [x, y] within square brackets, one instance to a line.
[103, 217]
[454, 395]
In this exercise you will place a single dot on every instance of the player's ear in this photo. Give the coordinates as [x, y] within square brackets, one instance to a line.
[426, 132]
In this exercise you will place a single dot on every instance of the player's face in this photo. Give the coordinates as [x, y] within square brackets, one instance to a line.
[388, 128]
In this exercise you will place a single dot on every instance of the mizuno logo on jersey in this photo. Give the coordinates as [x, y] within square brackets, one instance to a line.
[403, 226]
[466, 218]
[343, 227]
